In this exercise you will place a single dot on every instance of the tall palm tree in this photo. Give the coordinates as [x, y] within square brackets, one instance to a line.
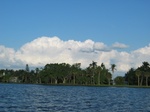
[99, 69]
[138, 74]
[142, 77]
[37, 71]
[27, 68]
[108, 75]
[93, 66]
[75, 71]
[147, 74]
[144, 68]
[113, 68]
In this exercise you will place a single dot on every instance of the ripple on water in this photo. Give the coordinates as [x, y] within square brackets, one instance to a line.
[24, 97]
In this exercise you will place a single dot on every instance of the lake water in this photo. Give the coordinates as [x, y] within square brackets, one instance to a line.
[41, 98]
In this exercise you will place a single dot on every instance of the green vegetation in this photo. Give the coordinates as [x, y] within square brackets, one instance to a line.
[62, 73]
[139, 76]
[66, 74]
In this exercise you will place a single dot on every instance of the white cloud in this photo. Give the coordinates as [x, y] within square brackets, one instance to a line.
[45, 50]
[140, 55]
[119, 45]
[99, 46]
[7, 56]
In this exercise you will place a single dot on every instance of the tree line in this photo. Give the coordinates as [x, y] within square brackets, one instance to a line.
[139, 76]
[64, 73]
[61, 73]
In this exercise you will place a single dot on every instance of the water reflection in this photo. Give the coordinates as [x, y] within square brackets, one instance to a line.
[26, 97]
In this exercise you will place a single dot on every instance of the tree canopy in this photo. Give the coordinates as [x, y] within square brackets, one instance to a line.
[64, 73]
[60, 73]
[139, 76]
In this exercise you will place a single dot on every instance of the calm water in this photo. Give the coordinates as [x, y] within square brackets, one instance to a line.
[41, 98]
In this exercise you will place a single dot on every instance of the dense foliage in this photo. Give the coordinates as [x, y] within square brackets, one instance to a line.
[65, 73]
[62, 73]
[139, 76]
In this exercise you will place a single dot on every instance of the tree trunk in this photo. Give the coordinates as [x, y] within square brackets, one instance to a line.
[138, 80]
[109, 81]
[99, 78]
[93, 78]
[141, 81]
[39, 81]
[51, 80]
[146, 80]
[64, 80]
[74, 80]
[113, 83]
[56, 81]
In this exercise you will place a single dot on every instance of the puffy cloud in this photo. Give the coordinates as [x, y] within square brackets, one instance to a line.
[99, 46]
[140, 55]
[53, 50]
[119, 45]
[45, 50]
[7, 57]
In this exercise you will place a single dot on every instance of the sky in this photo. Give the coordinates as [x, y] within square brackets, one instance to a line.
[38, 32]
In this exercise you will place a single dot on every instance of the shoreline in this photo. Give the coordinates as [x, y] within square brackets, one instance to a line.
[126, 86]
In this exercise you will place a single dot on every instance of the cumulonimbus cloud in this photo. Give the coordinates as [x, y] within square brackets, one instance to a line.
[45, 50]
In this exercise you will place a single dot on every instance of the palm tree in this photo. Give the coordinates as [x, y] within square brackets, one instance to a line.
[143, 69]
[147, 74]
[113, 68]
[38, 79]
[138, 74]
[108, 76]
[27, 68]
[99, 69]
[93, 66]
[145, 66]
[142, 77]
[75, 71]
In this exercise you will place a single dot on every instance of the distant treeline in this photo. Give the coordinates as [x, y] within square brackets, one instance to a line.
[139, 76]
[65, 73]
[62, 73]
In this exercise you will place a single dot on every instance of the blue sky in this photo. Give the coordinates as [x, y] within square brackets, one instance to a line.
[108, 21]
[38, 32]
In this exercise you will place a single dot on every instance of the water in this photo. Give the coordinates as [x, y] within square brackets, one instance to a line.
[42, 98]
